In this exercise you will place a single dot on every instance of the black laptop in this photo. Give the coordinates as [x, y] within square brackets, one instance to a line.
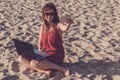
[27, 51]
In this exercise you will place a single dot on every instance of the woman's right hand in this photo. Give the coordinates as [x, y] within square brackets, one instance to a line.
[40, 49]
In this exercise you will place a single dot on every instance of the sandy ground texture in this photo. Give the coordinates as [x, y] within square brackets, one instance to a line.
[92, 44]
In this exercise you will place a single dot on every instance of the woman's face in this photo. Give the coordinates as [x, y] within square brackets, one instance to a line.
[49, 15]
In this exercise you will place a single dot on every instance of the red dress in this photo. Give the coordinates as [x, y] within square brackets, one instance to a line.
[52, 44]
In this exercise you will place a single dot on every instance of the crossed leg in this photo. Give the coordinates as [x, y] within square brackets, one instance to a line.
[43, 66]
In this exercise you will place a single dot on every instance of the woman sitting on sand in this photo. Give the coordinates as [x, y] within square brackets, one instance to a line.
[50, 41]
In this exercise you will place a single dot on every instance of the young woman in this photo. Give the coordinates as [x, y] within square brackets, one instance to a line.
[50, 41]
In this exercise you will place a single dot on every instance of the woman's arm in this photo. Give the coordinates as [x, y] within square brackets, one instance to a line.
[64, 28]
[39, 41]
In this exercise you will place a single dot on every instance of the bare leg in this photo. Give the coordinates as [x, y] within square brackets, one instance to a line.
[23, 61]
[43, 66]
[46, 65]
[26, 63]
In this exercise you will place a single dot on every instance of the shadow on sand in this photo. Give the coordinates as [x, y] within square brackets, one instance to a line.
[102, 68]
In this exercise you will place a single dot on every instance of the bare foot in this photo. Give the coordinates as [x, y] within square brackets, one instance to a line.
[49, 73]
[67, 72]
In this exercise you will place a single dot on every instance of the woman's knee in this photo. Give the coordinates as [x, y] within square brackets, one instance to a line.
[34, 63]
[20, 59]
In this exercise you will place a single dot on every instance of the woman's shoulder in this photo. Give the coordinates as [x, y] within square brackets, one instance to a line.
[58, 27]
[59, 24]
[41, 26]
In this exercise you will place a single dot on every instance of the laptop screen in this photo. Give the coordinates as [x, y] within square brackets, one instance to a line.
[25, 49]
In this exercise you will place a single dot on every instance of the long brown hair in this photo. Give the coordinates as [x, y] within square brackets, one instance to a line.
[50, 6]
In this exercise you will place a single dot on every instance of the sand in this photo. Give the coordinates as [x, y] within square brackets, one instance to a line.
[92, 44]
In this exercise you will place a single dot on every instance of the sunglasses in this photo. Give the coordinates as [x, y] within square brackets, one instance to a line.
[51, 14]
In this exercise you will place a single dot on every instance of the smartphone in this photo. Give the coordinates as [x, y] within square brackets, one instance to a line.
[65, 18]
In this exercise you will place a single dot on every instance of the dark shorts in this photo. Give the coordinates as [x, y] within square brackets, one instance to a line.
[56, 58]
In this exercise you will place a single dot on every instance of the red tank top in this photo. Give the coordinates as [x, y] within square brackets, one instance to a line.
[52, 42]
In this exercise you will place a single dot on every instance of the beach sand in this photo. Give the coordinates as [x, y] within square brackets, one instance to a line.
[92, 44]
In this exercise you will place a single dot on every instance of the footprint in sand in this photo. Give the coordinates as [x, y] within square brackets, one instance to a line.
[15, 66]
[14, 77]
